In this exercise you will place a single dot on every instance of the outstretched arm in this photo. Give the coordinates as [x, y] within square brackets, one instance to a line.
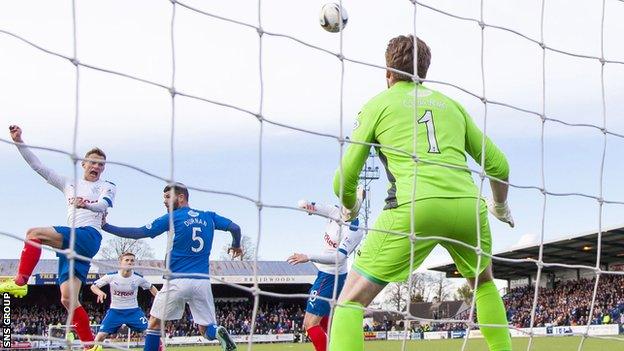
[329, 211]
[127, 232]
[347, 246]
[33, 161]
[151, 230]
[324, 258]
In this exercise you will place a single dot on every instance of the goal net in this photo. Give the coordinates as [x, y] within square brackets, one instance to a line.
[481, 90]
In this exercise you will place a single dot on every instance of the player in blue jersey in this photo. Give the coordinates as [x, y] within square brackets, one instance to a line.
[188, 258]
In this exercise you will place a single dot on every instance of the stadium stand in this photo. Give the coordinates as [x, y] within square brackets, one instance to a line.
[574, 250]
[564, 295]
[35, 312]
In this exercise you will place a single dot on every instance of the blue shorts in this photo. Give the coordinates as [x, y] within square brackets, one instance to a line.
[88, 240]
[323, 286]
[133, 318]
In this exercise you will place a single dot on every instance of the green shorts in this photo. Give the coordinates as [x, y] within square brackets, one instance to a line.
[385, 257]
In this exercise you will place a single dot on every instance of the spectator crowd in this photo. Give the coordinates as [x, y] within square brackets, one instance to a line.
[273, 317]
[566, 303]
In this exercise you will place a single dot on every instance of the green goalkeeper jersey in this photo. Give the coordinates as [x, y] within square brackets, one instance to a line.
[445, 133]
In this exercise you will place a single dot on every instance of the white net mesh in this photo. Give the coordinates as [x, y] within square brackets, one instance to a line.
[341, 140]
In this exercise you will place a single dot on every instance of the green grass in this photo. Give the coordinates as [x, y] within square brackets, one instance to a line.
[565, 343]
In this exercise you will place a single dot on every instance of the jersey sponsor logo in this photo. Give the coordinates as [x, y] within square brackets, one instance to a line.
[329, 241]
[193, 213]
[148, 226]
[421, 92]
[123, 293]
[76, 199]
[425, 103]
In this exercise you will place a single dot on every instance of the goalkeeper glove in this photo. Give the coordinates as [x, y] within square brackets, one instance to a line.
[350, 214]
[501, 211]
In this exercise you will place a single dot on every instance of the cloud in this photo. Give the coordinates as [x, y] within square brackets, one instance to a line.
[527, 239]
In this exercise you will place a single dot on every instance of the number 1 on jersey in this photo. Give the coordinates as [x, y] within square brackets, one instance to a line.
[427, 119]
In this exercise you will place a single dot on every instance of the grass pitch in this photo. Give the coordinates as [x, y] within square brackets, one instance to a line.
[564, 343]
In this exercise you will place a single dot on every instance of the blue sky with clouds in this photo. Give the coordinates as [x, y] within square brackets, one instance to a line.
[217, 147]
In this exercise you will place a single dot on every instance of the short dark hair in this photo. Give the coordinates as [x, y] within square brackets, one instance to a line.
[127, 253]
[400, 55]
[178, 188]
[95, 151]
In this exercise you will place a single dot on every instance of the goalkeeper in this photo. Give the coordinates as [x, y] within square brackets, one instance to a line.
[445, 201]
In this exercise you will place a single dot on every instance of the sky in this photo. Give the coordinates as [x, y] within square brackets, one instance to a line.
[217, 147]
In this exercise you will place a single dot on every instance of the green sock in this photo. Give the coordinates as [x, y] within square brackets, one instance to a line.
[491, 310]
[346, 328]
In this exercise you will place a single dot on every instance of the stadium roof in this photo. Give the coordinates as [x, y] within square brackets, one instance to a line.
[269, 272]
[574, 250]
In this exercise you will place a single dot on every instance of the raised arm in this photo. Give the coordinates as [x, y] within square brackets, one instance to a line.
[347, 245]
[33, 161]
[329, 211]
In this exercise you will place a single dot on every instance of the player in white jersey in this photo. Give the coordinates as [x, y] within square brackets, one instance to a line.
[336, 238]
[124, 308]
[91, 197]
